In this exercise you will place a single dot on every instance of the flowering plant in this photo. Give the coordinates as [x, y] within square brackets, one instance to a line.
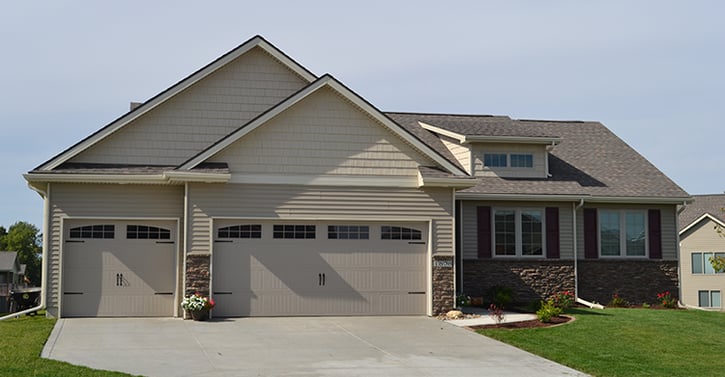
[197, 302]
[667, 300]
[563, 299]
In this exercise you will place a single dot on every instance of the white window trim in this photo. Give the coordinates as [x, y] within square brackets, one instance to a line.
[623, 233]
[511, 165]
[519, 237]
[704, 261]
[709, 298]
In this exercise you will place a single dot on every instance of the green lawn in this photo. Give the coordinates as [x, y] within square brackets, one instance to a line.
[630, 342]
[21, 341]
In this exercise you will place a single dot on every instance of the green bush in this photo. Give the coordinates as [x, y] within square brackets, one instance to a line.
[548, 311]
[618, 302]
[501, 295]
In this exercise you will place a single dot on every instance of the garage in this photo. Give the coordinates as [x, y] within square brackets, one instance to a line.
[275, 268]
[115, 268]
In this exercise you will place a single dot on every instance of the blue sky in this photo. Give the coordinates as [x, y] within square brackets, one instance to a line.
[652, 71]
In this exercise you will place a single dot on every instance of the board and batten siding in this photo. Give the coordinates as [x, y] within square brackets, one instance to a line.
[536, 150]
[323, 135]
[103, 201]
[469, 241]
[460, 152]
[287, 202]
[701, 238]
[200, 115]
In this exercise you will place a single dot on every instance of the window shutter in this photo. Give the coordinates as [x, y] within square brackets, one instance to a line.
[655, 234]
[552, 232]
[484, 232]
[590, 234]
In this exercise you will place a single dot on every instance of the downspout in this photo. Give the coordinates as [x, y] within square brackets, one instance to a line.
[44, 259]
[579, 300]
[679, 274]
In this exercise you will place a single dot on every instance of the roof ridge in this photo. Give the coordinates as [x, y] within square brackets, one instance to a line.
[447, 114]
[555, 121]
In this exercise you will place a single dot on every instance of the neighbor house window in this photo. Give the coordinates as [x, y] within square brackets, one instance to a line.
[622, 233]
[241, 231]
[495, 160]
[294, 231]
[708, 299]
[143, 232]
[348, 232]
[399, 233]
[522, 161]
[518, 232]
[701, 263]
[93, 231]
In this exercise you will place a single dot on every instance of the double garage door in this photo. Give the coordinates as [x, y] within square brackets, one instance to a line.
[118, 268]
[266, 268]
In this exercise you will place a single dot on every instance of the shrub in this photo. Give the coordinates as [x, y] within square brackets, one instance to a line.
[548, 311]
[666, 299]
[563, 299]
[463, 300]
[496, 313]
[501, 296]
[618, 302]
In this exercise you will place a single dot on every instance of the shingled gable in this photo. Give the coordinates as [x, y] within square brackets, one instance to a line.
[710, 207]
[124, 120]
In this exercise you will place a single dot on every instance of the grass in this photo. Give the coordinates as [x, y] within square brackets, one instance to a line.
[22, 340]
[630, 342]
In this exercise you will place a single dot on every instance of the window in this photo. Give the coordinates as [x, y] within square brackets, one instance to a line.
[143, 232]
[240, 231]
[294, 231]
[399, 233]
[701, 263]
[708, 299]
[93, 231]
[495, 160]
[522, 161]
[518, 232]
[622, 233]
[348, 232]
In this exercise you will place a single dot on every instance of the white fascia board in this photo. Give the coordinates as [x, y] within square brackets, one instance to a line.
[699, 219]
[185, 176]
[97, 178]
[512, 139]
[174, 90]
[444, 132]
[577, 198]
[446, 182]
[312, 180]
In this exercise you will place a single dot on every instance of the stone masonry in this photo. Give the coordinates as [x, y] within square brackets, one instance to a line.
[443, 294]
[636, 281]
[197, 274]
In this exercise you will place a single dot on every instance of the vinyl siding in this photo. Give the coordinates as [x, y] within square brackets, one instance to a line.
[295, 202]
[469, 241]
[538, 152]
[460, 152]
[322, 135]
[700, 238]
[103, 201]
[192, 120]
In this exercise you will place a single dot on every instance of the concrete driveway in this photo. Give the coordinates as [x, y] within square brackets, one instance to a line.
[318, 346]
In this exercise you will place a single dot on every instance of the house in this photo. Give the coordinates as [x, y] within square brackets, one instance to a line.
[279, 192]
[699, 241]
[11, 276]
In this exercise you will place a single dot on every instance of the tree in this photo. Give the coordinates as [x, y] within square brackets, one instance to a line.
[25, 238]
[718, 263]
[3, 233]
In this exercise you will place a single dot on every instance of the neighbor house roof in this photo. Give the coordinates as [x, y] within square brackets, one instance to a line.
[8, 261]
[703, 206]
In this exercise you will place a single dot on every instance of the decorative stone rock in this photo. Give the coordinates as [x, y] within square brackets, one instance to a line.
[454, 314]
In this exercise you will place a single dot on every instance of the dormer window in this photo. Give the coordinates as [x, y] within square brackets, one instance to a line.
[495, 160]
[522, 161]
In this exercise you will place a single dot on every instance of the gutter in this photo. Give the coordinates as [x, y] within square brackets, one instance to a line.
[45, 194]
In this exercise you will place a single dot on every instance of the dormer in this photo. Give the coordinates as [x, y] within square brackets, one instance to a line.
[496, 146]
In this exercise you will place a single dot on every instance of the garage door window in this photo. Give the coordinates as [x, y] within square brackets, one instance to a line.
[240, 231]
[399, 233]
[348, 232]
[294, 231]
[143, 232]
[93, 231]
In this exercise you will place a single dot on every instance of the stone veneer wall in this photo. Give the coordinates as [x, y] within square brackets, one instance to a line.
[636, 281]
[443, 293]
[530, 280]
[197, 274]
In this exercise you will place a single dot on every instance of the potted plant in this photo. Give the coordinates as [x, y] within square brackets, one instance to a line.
[198, 306]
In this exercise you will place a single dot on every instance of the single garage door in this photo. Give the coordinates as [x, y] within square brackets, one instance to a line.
[319, 268]
[118, 268]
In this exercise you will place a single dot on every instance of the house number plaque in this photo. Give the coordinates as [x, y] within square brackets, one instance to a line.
[447, 263]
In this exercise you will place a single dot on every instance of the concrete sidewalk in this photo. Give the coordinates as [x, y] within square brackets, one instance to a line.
[300, 346]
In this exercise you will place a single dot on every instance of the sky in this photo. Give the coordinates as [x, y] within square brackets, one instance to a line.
[651, 71]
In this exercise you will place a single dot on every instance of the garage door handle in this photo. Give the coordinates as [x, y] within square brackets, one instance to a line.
[225, 241]
[166, 242]
[164, 293]
[416, 243]
[72, 293]
[416, 293]
[74, 241]
[222, 293]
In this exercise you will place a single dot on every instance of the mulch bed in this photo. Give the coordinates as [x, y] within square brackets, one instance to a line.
[534, 323]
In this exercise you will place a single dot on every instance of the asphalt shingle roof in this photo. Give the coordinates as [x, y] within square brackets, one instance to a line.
[702, 204]
[7, 260]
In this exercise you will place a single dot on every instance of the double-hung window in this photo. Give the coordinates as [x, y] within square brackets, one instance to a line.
[518, 232]
[622, 233]
[701, 263]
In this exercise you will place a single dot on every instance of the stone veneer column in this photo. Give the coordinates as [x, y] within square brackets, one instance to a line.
[197, 274]
[443, 293]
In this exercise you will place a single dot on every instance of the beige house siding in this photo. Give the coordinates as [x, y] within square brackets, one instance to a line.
[103, 201]
[700, 238]
[287, 202]
[668, 226]
[322, 135]
[201, 114]
[538, 152]
[460, 152]
[469, 243]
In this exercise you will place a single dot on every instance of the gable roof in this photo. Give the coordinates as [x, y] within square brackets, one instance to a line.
[190, 80]
[8, 261]
[703, 207]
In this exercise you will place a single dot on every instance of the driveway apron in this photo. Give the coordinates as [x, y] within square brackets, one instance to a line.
[299, 346]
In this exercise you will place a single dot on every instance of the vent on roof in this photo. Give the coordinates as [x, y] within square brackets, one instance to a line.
[134, 105]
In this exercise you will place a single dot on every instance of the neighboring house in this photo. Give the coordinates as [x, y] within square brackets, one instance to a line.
[699, 240]
[11, 276]
[282, 193]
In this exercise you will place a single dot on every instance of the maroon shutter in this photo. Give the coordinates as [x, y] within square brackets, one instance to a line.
[484, 232]
[655, 234]
[590, 234]
[552, 232]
